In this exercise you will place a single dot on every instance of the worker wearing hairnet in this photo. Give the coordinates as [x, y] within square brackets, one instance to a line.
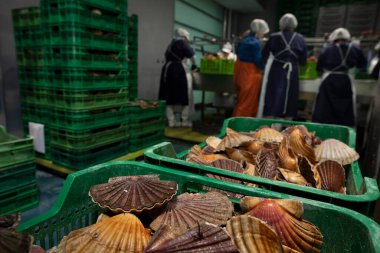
[335, 102]
[226, 52]
[173, 83]
[248, 70]
[284, 52]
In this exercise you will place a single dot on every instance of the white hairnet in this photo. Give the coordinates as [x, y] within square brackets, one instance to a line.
[180, 32]
[340, 33]
[289, 21]
[260, 26]
[227, 48]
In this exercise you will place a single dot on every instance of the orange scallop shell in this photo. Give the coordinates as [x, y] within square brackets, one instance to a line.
[287, 159]
[300, 146]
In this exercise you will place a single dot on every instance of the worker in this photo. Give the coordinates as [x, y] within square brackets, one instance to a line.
[374, 65]
[283, 53]
[335, 102]
[173, 83]
[226, 52]
[248, 70]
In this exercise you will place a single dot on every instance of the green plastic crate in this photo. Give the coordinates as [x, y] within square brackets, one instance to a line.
[28, 38]
[87, 100]
[209, 66]
[14, 150]
[26, 17]
[30, 57]
[89, 139]
[362, 192]
[145, 140]
[75, 13]
[35, 113]
[308, 71]
[133, 22]
[62, 35]
[139, 128]
[83, 159]
[227, 67]
[36, 96]
[81, 57]
[19, 200]
[344, 230]
[135, 112]
[12, 177]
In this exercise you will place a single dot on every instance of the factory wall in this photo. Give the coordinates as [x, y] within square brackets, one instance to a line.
[10, 109]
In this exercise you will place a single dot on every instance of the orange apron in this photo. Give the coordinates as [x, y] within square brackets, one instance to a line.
[247, 79]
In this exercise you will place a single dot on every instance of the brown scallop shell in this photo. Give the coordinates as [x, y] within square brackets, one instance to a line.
[332, 149]
[229, 165]
[196, 151]
[133, 193]
[293, 177]
[287, 159]
[208, 150]
[232, 139]
[12, 241]
[159, 239]
[120, 233]
[252, 146]
[203, 238]
[10, 220]
[307, 170]
[332, 176]
[300, 146]
[266, 163]
[240, 155]
[190, 210]
[309, 136]
[267, 134]
[213, 141]
[286, 220]
[252, 235]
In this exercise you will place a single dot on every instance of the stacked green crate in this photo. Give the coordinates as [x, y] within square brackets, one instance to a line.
[18, 185]
[133, 56]
[30, 62]
[146, 120]
[85, 79]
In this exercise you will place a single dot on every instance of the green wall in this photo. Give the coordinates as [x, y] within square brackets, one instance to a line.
[201, 18]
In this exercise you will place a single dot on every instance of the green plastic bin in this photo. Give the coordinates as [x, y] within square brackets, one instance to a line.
[362, 192]
[14, 150]
[19, 199]
[344, 230]
[15, 176]
[26, 17]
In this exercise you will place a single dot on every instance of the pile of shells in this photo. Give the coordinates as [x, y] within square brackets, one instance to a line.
[145, 217]
[294, 155]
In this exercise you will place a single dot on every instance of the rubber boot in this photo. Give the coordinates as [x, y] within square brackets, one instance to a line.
[185, 117]
[171, 117]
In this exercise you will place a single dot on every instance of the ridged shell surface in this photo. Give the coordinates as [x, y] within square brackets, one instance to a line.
[10, 220]
[232, 139]
[293, 177]
[252, 235]
[300, 147]
[240, 155]
[332, 149]
[267, 134]
[332, 176]
[12, 241]
[189, 210]
[266, 163]
[294, 232]
[133, 193]
[213, 141]
[118, 234]
[203, 238]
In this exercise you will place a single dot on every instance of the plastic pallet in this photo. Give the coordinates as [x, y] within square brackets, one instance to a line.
[343, 230]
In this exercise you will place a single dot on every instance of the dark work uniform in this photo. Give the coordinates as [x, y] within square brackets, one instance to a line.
[173, 83]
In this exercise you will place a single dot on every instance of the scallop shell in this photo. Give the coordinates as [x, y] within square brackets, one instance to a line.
[229, 165]
[307, 170]
[252, 146]
[213, 141]
[120, 233]
[203, 238]
[133, 193]
[266, 163]
[196, 151]
[267, 134]
[286, 220]
[300, 146]
[240, 155]
[287, 159]
[208, 150]
[332, 149]
[232, 139]
[252, 235]
[190, 210]
[10, 220]
[12, 241]
[332, 176]
[309, 136]
[164, 234]
[293, 177]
